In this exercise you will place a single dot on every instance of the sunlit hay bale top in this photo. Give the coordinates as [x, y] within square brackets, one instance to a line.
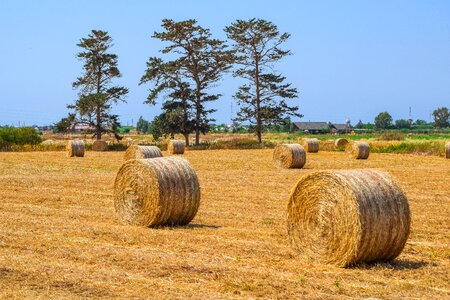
[156, 192]
[340, 144]
[358, 150]
[348, 217]
[75, 148]
[310, 145]
[289, 156]
[100, 146]
[176, 147]
[137, 152]
[326, 145]
[447, 150]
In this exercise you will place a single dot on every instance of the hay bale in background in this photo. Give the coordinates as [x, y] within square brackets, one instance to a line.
[157, 191]
[75, 148]
[310, 145]
[176, 147]
[289, 156]
[447, 150]
[348, 217]
[359, 150]
[100, 146]
[340, 144]
[136, 152]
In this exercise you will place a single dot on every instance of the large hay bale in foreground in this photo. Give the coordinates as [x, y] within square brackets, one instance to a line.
[156, 192]
[75, 148]
[137, 152]
[358, 150]
[348, 217]
[289, 156]
[340, 144]
[447, 150]
[176, 147]
[310, 145]
[100, 146]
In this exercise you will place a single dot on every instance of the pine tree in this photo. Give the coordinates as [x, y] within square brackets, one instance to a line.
[201, 61]
[261, 100]
[96, 92]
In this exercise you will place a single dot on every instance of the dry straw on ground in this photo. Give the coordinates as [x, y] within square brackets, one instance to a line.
[135, 151]
[156, 192]
[176, 147]
[358, 150]
[348, 217]
[289, 156]
[447, 150]
[340, 143]
[75, 148]
[310, 145]
[100, 146]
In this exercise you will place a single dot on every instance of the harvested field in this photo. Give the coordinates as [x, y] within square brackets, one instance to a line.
[60, 238]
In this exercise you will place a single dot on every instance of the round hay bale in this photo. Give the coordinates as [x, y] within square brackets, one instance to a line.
[136, 152]
[289, 156]
[100, 146]
[358, 150]
[340, 144]
[347, 217]
[310, 145]
[156, 192]
[176, 147]
[75, 148]
[447, 150]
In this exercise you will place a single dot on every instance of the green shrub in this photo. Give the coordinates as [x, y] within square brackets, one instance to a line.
[18, 136]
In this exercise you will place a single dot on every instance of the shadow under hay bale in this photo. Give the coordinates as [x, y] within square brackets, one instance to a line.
[156, 192]
[358, 150]
[289, 156]
[137, 152]
[99, 146]
[310, 145]
[340, 144]
[348, 217]
[447, 150]
[75, 148]
[176, 147]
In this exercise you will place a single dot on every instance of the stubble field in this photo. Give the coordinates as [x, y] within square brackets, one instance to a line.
[59, 237]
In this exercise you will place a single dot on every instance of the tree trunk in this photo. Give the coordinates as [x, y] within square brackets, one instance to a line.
[186, 139]
[258, 103]
[197, 116]
[98, 126]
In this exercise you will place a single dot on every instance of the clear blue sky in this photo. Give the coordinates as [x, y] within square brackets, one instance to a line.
[352, 59]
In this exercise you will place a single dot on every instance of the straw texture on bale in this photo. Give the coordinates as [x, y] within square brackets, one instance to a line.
[348, 217]
[447, 150]
[358, 150]
[75, 148]
[100, 146]
[156, 192]
[310, 145]
[136, 152]
[340, 143]
[289, 156]
[176, 147]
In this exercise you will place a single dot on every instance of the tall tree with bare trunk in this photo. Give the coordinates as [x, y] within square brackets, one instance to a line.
[96, 92]
[262, 100]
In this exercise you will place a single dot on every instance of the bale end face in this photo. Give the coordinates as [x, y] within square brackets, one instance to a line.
[289, 156]
[100, 146]
[358, 150]
[176, 147]
[160, 191]
[75, 148]
[348, 217]
[310, 145]
[340, 144]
